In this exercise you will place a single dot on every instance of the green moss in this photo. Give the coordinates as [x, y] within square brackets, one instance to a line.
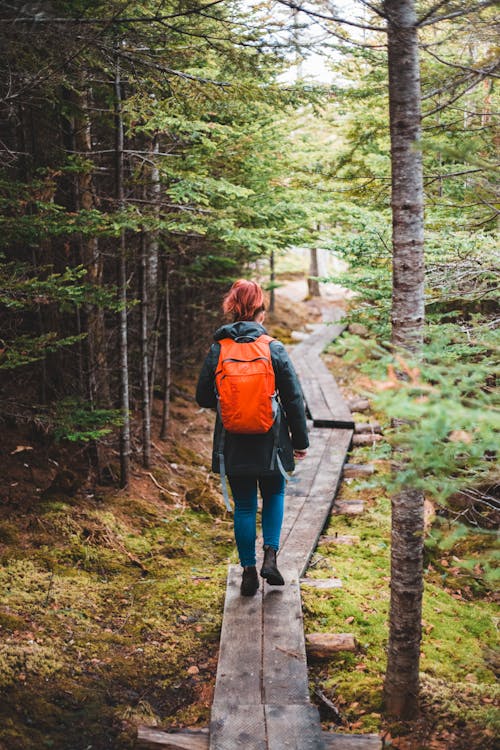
[8, 533]
[10, 622]
[458, 634]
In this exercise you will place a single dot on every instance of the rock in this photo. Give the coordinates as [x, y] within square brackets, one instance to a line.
[358, 404]
[358, 329]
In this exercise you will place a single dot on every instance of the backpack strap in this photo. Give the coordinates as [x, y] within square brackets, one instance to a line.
[222, 464]
[275, 456]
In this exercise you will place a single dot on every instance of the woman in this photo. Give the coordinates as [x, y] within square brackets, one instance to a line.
[256, 459]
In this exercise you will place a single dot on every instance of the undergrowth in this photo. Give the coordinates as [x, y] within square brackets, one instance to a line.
[111, 604]
[459, 638]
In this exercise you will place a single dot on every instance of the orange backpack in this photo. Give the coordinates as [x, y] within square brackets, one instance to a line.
[245, 384]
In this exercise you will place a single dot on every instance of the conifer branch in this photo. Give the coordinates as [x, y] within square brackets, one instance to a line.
[40, 18]
[314, 14]
[428, 20]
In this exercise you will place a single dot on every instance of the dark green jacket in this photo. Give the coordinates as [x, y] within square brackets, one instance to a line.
[250, 455]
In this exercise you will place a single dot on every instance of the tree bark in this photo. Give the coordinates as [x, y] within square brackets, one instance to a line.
[312, 279]
[407, 178]
[91, 258]
[153, 240]
[167, 364]
[146, 412]
[272, 277]
[122, 289]
[401, 686]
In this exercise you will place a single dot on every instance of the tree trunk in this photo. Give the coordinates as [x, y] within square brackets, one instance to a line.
[146, 412]
[312, 279]
[272, 277]
[402, 677]
[407, 179]
[122, 291]
[167, 372]
[153, 239]
[91, 258]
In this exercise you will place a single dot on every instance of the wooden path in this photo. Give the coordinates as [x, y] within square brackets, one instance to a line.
[261, 699]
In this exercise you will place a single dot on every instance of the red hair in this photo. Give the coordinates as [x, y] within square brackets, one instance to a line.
[244, 300]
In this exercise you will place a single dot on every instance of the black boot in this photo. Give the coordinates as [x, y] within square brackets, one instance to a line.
[269, 569]
[249, 581]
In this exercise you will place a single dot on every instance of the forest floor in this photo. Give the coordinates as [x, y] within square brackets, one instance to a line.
[111, 601]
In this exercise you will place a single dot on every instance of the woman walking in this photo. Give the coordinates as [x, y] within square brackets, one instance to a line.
[255, 456]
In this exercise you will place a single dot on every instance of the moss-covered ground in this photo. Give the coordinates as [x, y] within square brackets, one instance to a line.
[111, 601]
[459, 657]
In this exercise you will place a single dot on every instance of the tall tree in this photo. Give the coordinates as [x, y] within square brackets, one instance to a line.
[122, 282]
[402, 676]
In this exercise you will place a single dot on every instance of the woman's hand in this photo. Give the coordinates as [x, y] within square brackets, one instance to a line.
[299, 455]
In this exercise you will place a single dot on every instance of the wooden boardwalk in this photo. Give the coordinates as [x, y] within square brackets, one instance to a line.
[261, 699]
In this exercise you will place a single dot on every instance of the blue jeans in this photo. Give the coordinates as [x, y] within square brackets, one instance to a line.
[244, 491]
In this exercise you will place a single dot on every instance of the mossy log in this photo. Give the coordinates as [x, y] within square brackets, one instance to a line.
[366, 439]
[367, 427]
[322, 583]
[323, 645]
[357, 470]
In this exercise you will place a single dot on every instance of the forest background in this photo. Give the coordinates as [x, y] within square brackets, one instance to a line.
[151, 153]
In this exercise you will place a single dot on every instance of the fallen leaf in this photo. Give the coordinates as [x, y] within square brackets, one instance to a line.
[349, 619]
[20, 448]
[193, 670]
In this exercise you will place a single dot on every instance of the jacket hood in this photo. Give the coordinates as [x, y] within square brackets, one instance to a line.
[242, 328]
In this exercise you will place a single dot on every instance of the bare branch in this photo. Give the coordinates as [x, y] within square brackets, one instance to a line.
[378, 11]
[432, 11]
[457, 13]
[440, 107]
[315, 14]
[489, 71]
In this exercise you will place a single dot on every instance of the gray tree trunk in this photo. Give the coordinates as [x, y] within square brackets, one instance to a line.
[167, 363]
[407, 178]
[312, 280]
[146, 412]
[122, 290]
[153, 239]
[272, 278]
[91, 258]
[402, 677]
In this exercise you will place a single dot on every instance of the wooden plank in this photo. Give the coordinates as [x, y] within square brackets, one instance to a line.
[237, 676]
[284, 665]
[341, 741]
[302, 538]
[150, 737]
[237, 726]
[323, 397]
[293, 728]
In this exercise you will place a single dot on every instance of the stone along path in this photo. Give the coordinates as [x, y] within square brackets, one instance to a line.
[261, 699]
